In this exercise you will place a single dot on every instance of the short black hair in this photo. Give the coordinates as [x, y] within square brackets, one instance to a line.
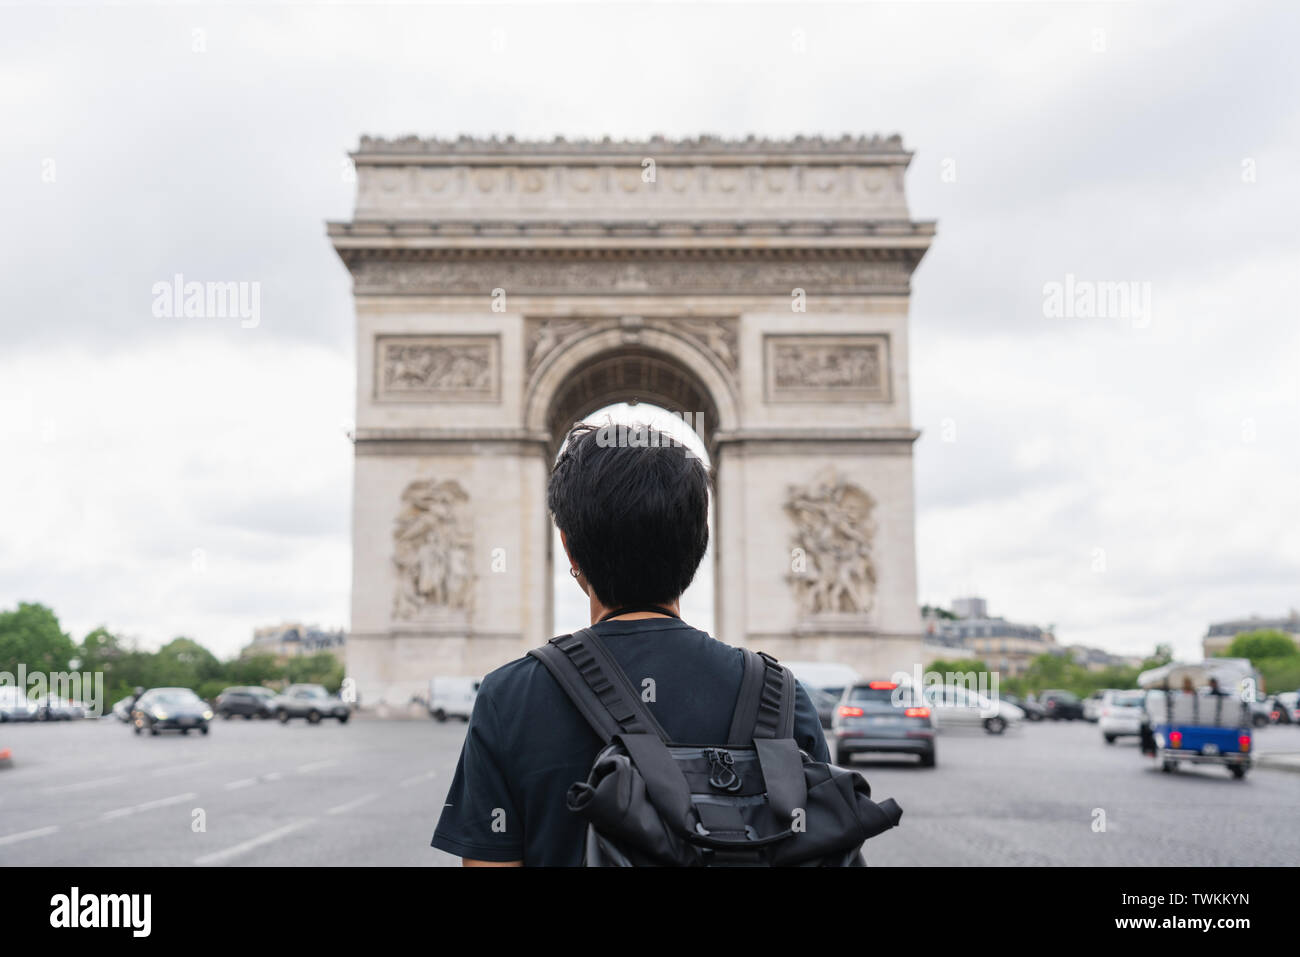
[634, 509]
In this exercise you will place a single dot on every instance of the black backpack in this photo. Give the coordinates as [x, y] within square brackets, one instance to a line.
[757, 801]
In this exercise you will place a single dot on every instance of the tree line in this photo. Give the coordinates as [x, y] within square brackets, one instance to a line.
[31, 636]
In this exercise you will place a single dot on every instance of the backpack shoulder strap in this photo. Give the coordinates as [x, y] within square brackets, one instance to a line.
[765, 705]
[597, 686]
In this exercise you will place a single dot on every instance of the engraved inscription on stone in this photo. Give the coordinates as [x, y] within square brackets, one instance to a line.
[832, 571]
[433, 550]
[827, 368]
[435, 368]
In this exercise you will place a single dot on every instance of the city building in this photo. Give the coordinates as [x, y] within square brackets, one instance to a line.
[1220, 634]
[969, 631]
[293, 639]
[1098, 659]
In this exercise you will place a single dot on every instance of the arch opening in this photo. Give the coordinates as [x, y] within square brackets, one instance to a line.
[629, 386]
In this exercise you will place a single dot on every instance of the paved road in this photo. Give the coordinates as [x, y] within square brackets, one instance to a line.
[92, 793]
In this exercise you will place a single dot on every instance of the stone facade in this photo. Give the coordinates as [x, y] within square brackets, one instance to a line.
[505, 289]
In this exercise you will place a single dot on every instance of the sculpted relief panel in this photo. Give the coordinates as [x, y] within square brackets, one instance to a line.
[826, 368]
[832, 572]
[437, 368]
[433, 551]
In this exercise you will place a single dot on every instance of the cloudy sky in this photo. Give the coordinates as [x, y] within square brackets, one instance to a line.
[1126, 478]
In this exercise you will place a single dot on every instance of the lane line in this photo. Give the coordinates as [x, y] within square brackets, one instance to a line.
[147, 806]
[242, 783]
[353, 805]
[426, 776]
[83, 785]
[28, 835]
[219, 856]
[316, 765]
[178, 768]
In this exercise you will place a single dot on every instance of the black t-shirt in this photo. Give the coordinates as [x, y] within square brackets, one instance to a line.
[526, 743]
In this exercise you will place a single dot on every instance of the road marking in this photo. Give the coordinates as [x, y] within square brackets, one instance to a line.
[28, 835]
[316, 765]
[84, 785]
[352, 805]
[178, 768]
[426, 776]
[242, 783]
[147, 806]
[273, 776]
[218, 856]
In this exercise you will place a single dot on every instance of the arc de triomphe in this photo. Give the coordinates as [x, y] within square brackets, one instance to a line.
[505, 289]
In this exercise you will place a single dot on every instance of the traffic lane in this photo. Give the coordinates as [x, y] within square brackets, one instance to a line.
[85, 769]
[1057, 794]
[260, 780]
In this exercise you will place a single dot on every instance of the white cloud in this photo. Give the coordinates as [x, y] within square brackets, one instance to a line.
[131, 443]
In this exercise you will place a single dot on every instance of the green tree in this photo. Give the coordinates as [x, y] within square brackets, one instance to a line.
[1273, 653]
[184, 663]
[321, 668]
[31, 636]
[1262, 643]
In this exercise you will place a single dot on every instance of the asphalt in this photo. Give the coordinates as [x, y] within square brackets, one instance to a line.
[369, 793]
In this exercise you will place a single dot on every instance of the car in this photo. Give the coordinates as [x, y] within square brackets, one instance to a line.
[1261, 710]
[15, 705]
[1121, 714]
[170, 709]
[882, 716]
[1032, 709]
[1286, 708]
[312, 702]
[825, 702]
[122, 709]
[824, 681]
[1061, 705]
[958, 706]
[248, 702]
[452, 697]
[53, 708]
[1092, 704]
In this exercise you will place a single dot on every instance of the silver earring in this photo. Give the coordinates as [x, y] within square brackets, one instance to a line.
[574, 572]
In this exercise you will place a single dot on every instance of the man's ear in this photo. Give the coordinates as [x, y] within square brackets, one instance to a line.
[564, 540]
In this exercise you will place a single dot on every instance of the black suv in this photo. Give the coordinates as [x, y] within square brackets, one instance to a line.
[250, 702]
[1061, 705]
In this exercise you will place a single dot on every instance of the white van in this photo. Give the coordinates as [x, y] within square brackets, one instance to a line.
[452, 697]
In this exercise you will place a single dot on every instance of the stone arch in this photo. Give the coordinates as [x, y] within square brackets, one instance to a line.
[615, 365]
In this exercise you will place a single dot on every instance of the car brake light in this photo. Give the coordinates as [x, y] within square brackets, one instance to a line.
[847, 711]
[917, 713]
[883, 685]
[1175, 739]
[1243, 742]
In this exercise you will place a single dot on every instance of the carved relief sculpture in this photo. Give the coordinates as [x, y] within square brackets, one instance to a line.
[547, 335]
[438, 367]
[833, 571]
[432, 550]
[827, 368]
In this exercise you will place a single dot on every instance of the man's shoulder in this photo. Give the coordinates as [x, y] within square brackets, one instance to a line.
[511, 678]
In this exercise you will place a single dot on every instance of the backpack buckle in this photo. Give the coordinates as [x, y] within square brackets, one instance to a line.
[722, 770]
